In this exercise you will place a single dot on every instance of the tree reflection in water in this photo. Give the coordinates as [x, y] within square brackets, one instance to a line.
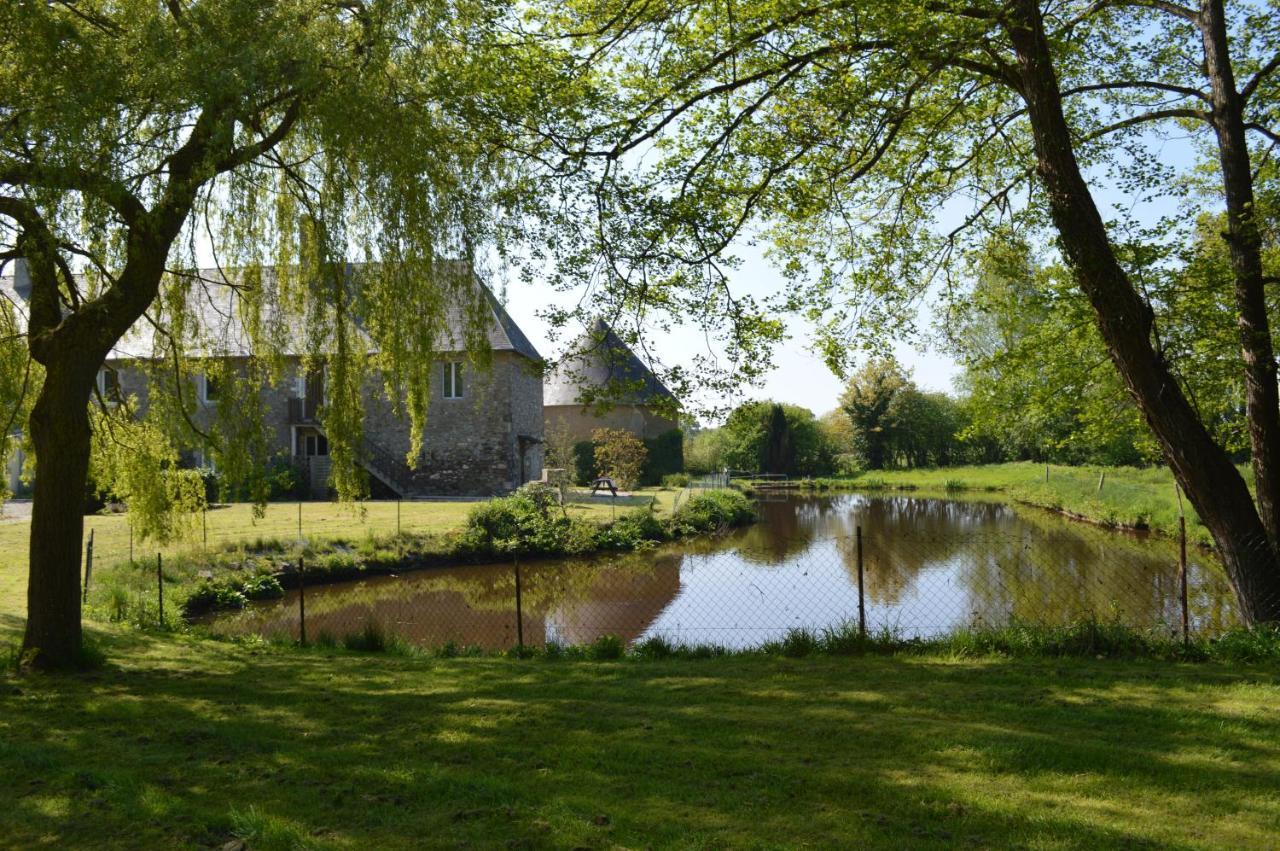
[931, 565]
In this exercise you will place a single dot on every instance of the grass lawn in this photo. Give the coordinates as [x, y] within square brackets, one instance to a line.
[1130, 496]
[235, 523]
[180, 742]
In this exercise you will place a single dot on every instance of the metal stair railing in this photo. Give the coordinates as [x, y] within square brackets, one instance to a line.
[386, 466]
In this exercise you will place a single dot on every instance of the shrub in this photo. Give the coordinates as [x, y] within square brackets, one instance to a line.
[710, 511]
[676, 480]
[264, 586]
[633, 530]
[620, 455]
[584, 462]
[665, 456]
[209, 595]
[524, 524]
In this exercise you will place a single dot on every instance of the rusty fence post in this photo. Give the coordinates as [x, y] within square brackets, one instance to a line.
[862, 600]
[1182, 578]
[88, 567]
[302, 600]
[519, 612]
[160, 585]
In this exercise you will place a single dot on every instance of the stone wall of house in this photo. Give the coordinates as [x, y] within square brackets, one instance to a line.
[580, 422]
[471, 445]
[273, 399]
[527, 419]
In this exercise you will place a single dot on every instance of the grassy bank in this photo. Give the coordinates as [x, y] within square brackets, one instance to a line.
[1129, 497]
[182, 743]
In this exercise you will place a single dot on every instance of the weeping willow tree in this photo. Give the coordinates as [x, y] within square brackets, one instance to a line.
[285, 140]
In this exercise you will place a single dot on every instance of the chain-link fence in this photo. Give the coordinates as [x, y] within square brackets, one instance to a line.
[735, 593]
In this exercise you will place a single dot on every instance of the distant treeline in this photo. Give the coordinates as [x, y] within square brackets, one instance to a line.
[885, 421]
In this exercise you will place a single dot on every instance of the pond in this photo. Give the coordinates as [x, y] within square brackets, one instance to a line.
[929, 566]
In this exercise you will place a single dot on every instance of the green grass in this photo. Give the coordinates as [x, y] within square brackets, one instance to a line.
[186, 743]
[229, 526]
[1130, 497]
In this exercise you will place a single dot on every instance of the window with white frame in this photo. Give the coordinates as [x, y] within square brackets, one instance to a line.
[453, 379]
[210, 389]
[109, 384]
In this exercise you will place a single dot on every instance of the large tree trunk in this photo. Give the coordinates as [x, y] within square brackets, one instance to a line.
[1244, 241]
[59, 430]
[1211, 482]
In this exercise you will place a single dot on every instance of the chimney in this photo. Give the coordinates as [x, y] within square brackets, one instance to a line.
[22, 279]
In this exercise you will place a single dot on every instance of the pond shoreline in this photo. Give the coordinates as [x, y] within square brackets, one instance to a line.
[623, 535]
[996, 494]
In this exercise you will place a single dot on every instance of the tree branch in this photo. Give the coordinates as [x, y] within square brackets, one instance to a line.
[1137, 84]
[1154, 115]
[1257, 78]
[74, 179]
[249, 153]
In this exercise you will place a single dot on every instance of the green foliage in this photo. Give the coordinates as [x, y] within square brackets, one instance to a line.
[1039, 382]
[137, 462]
[560, 451]
[847, 464]
[704, 450]
[633, 530]
[757, 435]
[210, 595]
[584, 462]
[527, 522]
[676, 480]
[264, 586]
[620, 455]
[605, 648]
[371, 639]
[710, 511]
[798, 643]
[665, 457]
[279, 479]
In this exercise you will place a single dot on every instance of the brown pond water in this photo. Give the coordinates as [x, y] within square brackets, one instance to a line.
[930, 566]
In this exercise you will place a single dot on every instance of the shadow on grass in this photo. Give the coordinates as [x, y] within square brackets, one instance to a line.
[185, 742]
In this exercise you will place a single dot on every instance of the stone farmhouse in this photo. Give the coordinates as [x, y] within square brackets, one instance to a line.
[484, 429]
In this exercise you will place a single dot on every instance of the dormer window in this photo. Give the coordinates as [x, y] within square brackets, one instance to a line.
[453, 379]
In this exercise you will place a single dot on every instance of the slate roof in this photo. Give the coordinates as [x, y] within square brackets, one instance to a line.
[601, 364]
[222, 333]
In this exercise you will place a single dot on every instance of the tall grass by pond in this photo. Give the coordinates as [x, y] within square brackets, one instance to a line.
[1087, 638]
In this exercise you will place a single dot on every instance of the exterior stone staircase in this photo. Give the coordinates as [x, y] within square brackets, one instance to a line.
[387, 467]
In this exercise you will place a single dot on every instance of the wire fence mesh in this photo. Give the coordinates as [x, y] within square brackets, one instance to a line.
[734, 594]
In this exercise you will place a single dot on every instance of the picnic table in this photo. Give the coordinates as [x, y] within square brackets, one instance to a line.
[604, 483]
